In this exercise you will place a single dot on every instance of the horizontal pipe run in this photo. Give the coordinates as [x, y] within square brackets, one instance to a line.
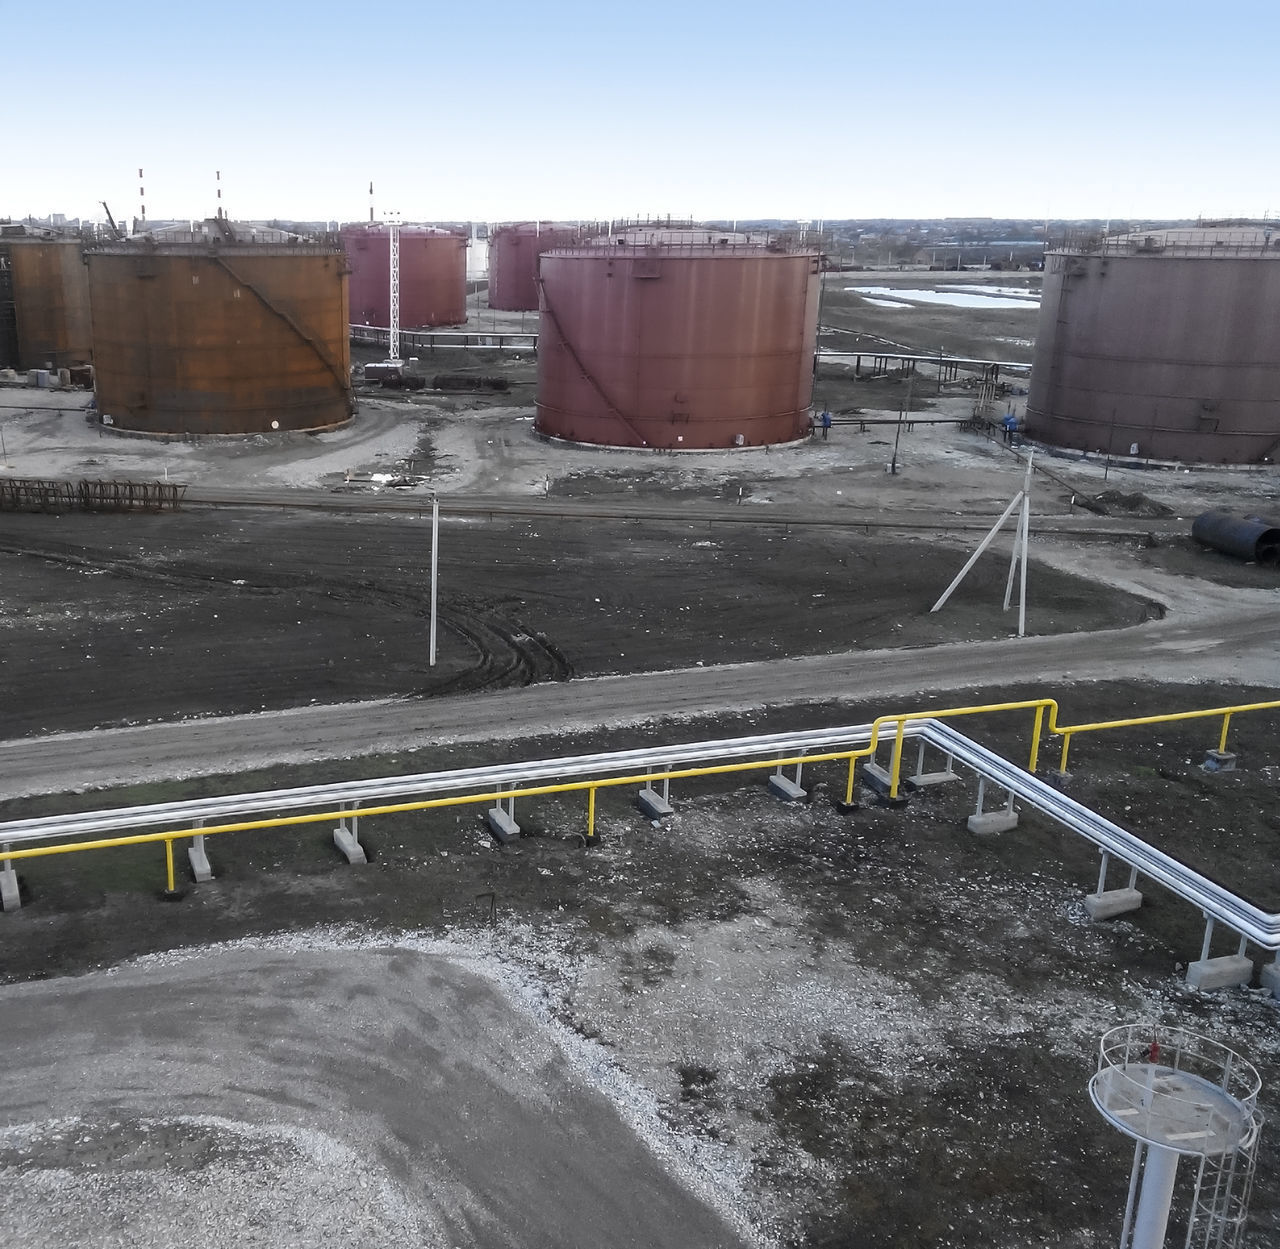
[757, 753]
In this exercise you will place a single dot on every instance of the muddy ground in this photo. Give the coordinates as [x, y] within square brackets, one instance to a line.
[117, 619]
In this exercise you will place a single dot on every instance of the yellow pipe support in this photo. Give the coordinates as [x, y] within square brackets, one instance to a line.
[848, 789]
[1066, 746]
[168, 865]
[1035, 741]
[591, 813]
[1222, 741]
[897, 759]
[1168, 718]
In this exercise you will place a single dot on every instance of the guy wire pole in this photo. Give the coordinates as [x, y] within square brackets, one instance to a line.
[982, 546]
[435, 556]
[1019, 551]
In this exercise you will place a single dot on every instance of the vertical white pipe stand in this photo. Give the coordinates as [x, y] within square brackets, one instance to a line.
[1152, 1220]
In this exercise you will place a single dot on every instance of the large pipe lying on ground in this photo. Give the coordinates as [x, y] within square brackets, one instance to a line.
[1246, 537]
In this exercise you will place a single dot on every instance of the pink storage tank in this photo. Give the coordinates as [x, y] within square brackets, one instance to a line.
[513, 261]
[433, 275]
[1162, 345]
[676, 346]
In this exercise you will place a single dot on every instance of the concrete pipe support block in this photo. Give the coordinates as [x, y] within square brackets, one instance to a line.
[1227, 972]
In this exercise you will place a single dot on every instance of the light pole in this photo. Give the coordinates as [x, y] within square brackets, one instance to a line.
[435, 557]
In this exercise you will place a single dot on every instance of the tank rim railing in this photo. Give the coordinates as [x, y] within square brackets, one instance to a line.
[1180, 1049]
[1204, 244]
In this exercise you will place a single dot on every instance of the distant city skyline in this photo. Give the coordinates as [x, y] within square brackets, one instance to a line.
[715, 111]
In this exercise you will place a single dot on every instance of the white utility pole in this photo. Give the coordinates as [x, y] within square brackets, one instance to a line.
[393, 347]
[1020, 500]
[435, 558]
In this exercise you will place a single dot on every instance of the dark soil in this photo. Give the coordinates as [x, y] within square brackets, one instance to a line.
[120, 619]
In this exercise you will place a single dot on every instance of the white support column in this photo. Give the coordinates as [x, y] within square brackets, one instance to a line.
[1107, 903]
[197, 857]
[347, 838]
[983, 822]
[654, 805]
[501, 818]
[1152, 1219]
[784, 787]
[10, 895]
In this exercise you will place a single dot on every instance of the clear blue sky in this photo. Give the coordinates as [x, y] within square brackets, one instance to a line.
[500, 110]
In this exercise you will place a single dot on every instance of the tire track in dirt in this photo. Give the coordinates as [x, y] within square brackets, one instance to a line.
[505, 653]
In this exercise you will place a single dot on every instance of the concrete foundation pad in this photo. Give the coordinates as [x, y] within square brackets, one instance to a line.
[993, 822]
[1226, 972]
[1269, 978]
[1219, 761]
[502, 825]
[876, 778]
[346, 841]
[786, 789]
[10, 898]
[199, 861]
[923, 779]
[1112, 902]
[652, 804]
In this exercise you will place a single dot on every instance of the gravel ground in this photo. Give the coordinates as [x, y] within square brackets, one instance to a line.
[333, 1090]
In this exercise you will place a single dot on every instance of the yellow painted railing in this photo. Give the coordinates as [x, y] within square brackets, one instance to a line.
[879, 726]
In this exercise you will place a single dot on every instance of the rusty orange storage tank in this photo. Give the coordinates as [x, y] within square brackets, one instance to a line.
[44, 301]
[1162, 345]
[433, 275]
[682, 347]
[513, 261]
[219, 337]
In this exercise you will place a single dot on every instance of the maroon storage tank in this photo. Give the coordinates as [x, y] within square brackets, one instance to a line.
[680, 347]
[1161, 345]
[433, 275]
[513, 261]
[202, 335]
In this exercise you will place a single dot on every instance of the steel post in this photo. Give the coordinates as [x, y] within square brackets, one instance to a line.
[1152, 1219]
[435, 558]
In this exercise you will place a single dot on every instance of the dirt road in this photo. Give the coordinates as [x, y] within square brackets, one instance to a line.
[298, 1097]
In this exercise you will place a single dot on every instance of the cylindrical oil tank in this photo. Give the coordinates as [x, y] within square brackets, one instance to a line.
[220, 337]
[680, 347]
[513, 261]
[44, 302]
[1161, 345]
[433, 275]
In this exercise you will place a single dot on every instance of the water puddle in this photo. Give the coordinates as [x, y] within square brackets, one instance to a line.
[890, 297]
